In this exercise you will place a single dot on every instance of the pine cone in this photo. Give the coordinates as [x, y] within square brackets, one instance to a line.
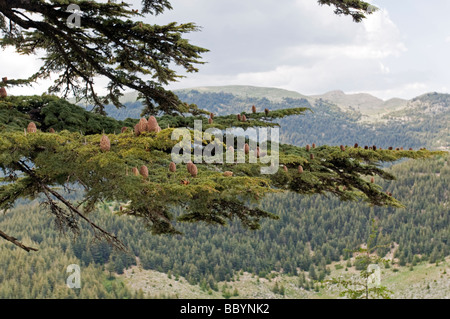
[266, 111]
[356, 145]
[300, 169]
[342, 148]
[254, 109]
[246, 148]
[194, 170]
[374, 148]
[51, 130]
[311, 156]
[189, 166]
[136, 130]
[144, 171]
[211, 116]
[390, 148]
[239, 117]
[142, 125]
[313, 145]
[135, 171]
[3, 93]
[105, 144]
[152, 124]
[366, 147]
[172, 167]
[31, 128]
[244, 118]
[210, 121]
[124, 129]
[5, 79]
[228, 174]
[372, 180]
[308, 148]
[285, 168]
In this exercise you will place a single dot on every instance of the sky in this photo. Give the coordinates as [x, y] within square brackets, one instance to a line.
[402, 50]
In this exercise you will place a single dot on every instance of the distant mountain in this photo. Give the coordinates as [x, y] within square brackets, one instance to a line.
[331, 123]
[362, 102]
[243, 91]
[366, 104]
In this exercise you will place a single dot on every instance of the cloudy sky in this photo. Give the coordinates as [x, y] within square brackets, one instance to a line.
[403, 50]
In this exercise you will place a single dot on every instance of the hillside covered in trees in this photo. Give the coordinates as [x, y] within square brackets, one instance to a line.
[311, 233]
[105, 193]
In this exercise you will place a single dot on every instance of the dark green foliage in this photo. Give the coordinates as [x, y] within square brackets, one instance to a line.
[111, 41]
[326, 226]
[51, 112]
[43, 275]
[68, 158]
[278, 289]
[355, 8]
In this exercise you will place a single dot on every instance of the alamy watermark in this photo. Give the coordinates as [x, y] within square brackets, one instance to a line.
[74, 280]
[74, 20]
[374, 279]
[213, 152]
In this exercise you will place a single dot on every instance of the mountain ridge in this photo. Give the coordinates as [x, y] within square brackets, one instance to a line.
[372, 108]
[365, 103]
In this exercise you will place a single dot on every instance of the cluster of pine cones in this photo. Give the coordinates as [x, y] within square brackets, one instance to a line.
[146, 126]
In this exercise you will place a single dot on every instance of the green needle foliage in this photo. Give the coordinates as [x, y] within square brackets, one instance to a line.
[111, 42]
[355, 8]
[41, 164]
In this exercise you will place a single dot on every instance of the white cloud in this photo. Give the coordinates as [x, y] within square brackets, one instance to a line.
[16, 66]
[355, 62]
[384, 69]
[406, 91]
[377, 38]
[299, 46]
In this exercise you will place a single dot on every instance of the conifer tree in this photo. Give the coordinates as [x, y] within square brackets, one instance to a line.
[111, 42]
[360, 288]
